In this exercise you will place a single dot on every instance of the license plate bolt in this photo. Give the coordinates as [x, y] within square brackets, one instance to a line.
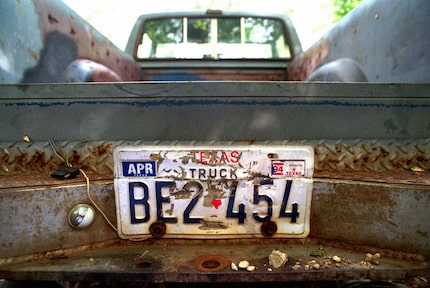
[269, 228]
[157, 229]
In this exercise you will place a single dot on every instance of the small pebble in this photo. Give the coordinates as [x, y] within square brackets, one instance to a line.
[243, 264]
[373, 258]
[234, 267]
[277, 259]
[336, 259]
[250, 268]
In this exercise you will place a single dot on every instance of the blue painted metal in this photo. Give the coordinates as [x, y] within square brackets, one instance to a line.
[40, 39]
[388, 40]
[222, 111]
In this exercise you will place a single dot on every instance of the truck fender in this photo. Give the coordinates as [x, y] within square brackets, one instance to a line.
[84, 70]
[340, 70]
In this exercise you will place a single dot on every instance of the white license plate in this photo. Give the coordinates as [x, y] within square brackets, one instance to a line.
[213, 191]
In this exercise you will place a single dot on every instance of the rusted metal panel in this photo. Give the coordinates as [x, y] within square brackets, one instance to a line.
[40, 39]
[380, 215]
[160, 261]
[213, 74]
[395, 141]
[306, 63]
[39, 221]
[331, 156]
[388, 214]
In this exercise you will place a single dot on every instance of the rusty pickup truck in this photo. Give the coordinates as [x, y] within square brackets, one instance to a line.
[146, 183]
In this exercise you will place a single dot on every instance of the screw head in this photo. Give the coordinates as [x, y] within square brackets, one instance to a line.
[269, 228]
[157, 229]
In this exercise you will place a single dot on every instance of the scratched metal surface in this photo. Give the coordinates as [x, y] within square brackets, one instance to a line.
[373, 130]
[371, 36]
[159, 261]
[49, 249]
[392, 216]
[214, 111]
[369, 207]
[331, 156]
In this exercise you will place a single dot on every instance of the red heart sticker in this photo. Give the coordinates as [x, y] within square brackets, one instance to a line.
[216, 203]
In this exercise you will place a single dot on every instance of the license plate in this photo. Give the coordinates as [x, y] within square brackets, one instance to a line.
[213, 191]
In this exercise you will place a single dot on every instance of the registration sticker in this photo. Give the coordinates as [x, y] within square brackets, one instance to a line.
[139, 168]
[213, 191]
[294, 168]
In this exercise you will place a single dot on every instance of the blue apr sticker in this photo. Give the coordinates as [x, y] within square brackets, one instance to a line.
[139, 169]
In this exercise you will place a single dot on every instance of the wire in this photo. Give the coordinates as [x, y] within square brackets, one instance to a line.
[66, 161]
[94, 203]
[58, 154]
[87, 180]
[102, 213]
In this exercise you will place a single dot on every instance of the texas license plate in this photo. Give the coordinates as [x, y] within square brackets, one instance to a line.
[213, 191]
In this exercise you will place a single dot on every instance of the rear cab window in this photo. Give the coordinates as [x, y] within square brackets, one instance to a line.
[213, 37]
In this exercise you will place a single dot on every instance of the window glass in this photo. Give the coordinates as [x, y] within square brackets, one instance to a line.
[229, 30]
[198, 30]
[160, 31]
[213, 38]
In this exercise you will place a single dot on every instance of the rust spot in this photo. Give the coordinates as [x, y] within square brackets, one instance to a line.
[38, 159]
[75, 158]
[272, 155]
[102, 150]
[21, 158]
[58, 257]
[5, 158]
[302, 67]
[154, 156]
[143, 265]
[52, 19]
[211, 263]
[72, 31]
[384, 153]
[34, 55]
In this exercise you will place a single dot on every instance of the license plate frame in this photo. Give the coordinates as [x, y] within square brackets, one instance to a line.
[213, 191]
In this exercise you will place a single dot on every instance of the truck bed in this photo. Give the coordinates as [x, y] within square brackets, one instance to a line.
[371, 179]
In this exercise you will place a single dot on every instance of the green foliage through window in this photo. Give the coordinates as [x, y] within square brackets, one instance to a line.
[232, 37]
[343, 7]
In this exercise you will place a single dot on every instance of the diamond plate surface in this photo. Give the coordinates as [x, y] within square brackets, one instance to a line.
[330, 155]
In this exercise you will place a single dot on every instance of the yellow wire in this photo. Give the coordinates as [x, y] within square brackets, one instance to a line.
[52, 144]
[87, 179]
[94, 203]
[101, 211]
